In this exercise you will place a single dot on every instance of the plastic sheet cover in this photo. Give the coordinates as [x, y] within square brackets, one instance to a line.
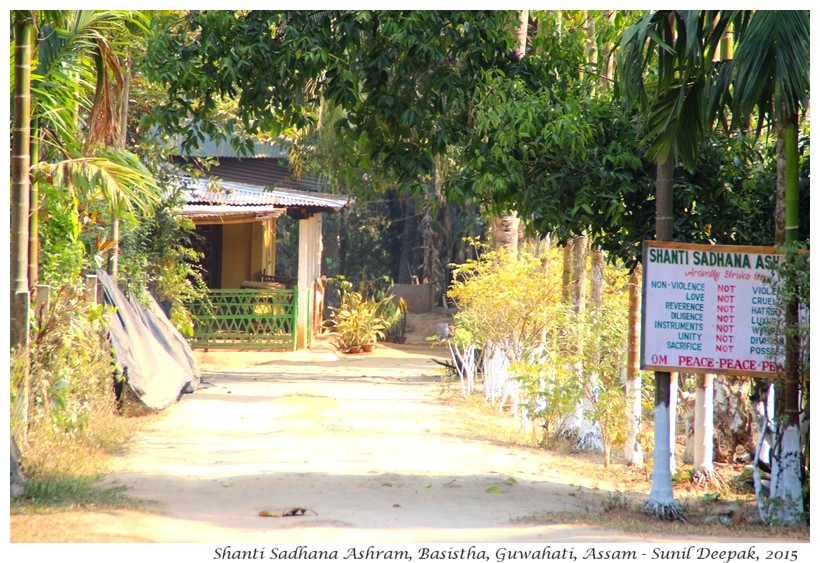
[155, 359]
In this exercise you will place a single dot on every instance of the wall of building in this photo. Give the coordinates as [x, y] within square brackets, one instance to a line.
[236, 254]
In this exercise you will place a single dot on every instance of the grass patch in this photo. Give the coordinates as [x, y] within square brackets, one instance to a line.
[67, 471]
[634, 522]
[614, 496]
[70, 493]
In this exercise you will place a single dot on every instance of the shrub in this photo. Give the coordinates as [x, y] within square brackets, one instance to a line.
[67, 391]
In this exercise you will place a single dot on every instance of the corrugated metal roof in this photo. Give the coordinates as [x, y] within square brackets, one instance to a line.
[211, 148]
[204, 214]
[264, 172]
[267, 172]
[233, 194]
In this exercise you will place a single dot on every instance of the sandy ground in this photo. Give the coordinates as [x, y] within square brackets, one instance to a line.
[362, 445]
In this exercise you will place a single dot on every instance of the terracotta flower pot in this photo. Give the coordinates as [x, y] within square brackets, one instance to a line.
[368, 347]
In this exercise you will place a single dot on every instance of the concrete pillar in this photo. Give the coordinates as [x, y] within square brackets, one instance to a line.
[304, 284]
[310, 268]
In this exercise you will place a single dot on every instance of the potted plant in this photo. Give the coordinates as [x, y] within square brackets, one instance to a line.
[356, 322]
[393, 313]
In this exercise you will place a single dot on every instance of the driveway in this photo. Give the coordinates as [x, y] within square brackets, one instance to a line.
[363, 443]
[358, 448]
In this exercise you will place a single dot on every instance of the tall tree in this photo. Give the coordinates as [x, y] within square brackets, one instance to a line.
[20, 186]
[20, 155]
[506, 224]
[665, 68]
[76, 101]
[771, 77]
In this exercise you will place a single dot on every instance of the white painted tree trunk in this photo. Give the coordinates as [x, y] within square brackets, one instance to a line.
[762, 407]
[662, 501]
[703, 469]
[786, 499]
[633, 451]
[673, 421]
[587, 433]
[497, 381]
[465, 365]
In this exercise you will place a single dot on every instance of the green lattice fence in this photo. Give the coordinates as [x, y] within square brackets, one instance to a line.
[246, 318]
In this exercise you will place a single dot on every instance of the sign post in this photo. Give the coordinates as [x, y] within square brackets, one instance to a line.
[706, 309]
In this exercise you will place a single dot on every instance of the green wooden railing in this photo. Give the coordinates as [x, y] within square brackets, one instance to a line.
[246, 318]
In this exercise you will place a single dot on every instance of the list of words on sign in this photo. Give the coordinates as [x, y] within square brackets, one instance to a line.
[708, 308]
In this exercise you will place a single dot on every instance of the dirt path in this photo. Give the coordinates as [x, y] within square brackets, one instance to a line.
[363, 443]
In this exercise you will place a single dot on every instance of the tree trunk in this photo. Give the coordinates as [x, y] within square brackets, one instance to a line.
[759, 397]
[787, 480]
[703, 469]
[432, 271]
[566, 273]
[605, 444]
[505, 232]
[673, 421]
[34, 213]
[407, 269]
[633, 452]
[662, 501]
[20, 193]
[505, 225]
[21, 157]
[578, 285]
[596, 290]
[780, 188]
[733, 418]
[114, 257]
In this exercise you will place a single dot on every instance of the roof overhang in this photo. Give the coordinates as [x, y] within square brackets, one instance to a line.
[220, 202]
[225, 214]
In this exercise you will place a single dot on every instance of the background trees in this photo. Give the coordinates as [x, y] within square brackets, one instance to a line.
[433, 119]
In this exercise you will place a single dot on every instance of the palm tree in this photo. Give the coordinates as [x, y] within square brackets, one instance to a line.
[77, 89]
[771, 78]
[21, 157]
[75, 57]
[664, 66]
[20, 185]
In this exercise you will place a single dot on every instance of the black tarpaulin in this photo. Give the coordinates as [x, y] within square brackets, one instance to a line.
[156, 361]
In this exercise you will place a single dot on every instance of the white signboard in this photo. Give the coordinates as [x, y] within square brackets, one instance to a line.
[705, 309]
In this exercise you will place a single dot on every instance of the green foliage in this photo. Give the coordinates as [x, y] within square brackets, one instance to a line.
[402, 77]
[728, 198]
[550, 387]
[357, 320]
[505, 300]
[666, 70]
[771, 65]
[565, 163]
[62, 252]
[71, 376]
[394, 314]
[157, 254]
[604, 364]
[559, 356]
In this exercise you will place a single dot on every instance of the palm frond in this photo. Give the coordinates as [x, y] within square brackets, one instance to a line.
[772, 63]
[666, 70]
[115, 176]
